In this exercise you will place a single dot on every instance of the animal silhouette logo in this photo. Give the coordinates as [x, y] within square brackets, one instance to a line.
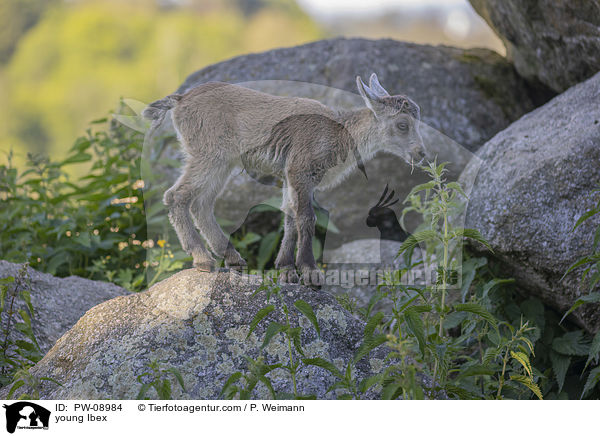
[385, 219]
[24, 414]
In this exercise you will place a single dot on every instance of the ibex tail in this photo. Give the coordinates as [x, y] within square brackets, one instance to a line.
[156, 111]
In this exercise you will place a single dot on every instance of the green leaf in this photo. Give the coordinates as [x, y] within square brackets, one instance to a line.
[587, 215]
[419, 188]
[391, 391]
[265, 381]
[493, 283]
[460, 393]
[260, 315]
[77, 158]
[477, 309]
[571, 344]
[529, 383]
[325, 364]
[457, 188]
[593, 297]
[14, 387]
[268, 244]
[368, 382]
[229, 382]
[272, 330]
[594, 349]
[490, 355]
[523, 359]
[591, 381]
[178, 376]
[369, 344]
[415, 324]
[163, 390]
[560, 365]
[143, 390]
[413, 240]
[307, 311]
[469, 269]
[372, 324]
[295, 335]
[474, 235]
[476, 370]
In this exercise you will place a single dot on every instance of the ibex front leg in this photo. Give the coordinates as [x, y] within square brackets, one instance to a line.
[305, 223]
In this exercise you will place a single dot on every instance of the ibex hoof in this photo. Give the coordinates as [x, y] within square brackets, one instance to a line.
[235, 262]
[288, 275]
[313, 277]
[205, 267]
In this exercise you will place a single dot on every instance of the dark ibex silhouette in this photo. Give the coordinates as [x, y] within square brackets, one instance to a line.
[384, 218]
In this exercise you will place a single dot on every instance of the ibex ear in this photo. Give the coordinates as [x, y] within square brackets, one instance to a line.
[376, 86]
[369, 97]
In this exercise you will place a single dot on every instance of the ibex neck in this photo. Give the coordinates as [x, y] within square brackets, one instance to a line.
[361, 123]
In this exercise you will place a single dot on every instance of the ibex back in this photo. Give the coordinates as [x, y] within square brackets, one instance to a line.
[301, 141]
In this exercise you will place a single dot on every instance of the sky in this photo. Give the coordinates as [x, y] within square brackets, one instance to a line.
[337, 7]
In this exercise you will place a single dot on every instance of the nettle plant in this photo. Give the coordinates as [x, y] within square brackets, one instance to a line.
[242, 384]
[444, 331]
[84, 215]
[443, 339]
[158, 377]
[19, 349]
[573, 343]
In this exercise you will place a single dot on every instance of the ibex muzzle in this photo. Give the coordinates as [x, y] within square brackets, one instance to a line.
[300, 141]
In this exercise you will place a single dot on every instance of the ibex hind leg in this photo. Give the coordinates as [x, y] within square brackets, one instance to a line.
[178, 199]
[211, 184]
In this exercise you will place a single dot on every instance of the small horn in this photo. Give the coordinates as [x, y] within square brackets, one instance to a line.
[376, 86]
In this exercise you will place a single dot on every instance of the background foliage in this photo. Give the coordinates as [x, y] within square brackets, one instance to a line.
[63, 64]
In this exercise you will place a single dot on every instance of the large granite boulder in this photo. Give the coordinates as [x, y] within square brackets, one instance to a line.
[466, 96]
[198, 323]
[535, 182]
[554, 41]
[58, 303]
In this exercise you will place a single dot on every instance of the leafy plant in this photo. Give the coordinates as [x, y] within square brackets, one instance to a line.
[573, 343]
[157, 378]
[242, 384]
[450, 332]
[95, 226]
[18, 355]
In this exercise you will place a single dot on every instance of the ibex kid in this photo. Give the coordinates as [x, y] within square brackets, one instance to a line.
[301, 141]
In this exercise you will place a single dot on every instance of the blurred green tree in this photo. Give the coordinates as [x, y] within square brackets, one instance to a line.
[16, 18]
[76, 62]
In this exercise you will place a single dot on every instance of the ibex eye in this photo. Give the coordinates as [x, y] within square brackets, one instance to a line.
[403, 126]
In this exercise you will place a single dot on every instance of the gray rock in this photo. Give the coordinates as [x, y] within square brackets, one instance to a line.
[536, 181]
[466, 96]
[356, 269]
[58, 303]
[197, 323]
[357, 263]
[557, 42]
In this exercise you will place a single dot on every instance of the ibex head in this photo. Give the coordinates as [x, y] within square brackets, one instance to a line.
[398, 119]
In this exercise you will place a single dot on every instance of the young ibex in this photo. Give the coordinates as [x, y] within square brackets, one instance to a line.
[298, 140]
